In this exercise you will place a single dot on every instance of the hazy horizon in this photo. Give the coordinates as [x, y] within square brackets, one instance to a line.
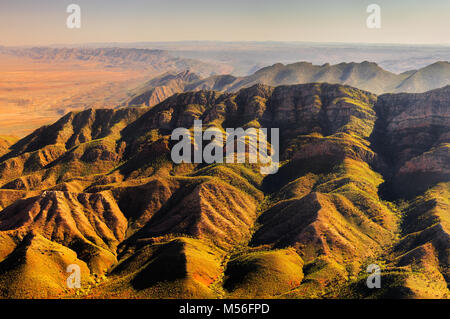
[27, 23]
[136, 44]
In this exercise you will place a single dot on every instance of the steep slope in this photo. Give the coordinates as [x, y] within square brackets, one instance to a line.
[411, 138]
[428, 78]
[37, 269]
[412, 134]
[90, 224]
[80, 143]
[264, 274]
[98, 188]
[42, 236]
[162, 87]
[5, 143]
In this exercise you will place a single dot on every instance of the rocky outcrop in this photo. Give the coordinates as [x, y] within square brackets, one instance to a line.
[412, 133]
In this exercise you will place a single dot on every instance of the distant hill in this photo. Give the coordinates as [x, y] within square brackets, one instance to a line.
[428, 78]
[155, 61]
[366, 76]
[163, 86]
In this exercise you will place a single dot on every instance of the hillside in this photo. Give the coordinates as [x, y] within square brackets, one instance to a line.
[363, 179]
[365, 75]
[5, 143]
[428, 78]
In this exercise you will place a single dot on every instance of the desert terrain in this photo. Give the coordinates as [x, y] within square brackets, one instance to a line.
[35, 93]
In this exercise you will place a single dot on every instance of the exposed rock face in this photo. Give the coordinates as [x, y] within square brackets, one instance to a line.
[412, 133]
[98, 189]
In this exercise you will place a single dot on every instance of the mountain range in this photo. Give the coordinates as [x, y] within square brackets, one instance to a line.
[366, 76]
[363, 179]
[247, 57]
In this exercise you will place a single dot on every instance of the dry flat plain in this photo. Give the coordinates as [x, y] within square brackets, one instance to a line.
[34, 93]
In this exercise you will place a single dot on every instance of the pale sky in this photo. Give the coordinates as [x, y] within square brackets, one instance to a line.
[42, 22]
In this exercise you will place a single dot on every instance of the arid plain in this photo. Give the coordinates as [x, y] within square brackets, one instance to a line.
[34, 93]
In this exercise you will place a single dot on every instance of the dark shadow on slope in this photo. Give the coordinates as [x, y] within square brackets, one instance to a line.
[167, 264]
[297, 168]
